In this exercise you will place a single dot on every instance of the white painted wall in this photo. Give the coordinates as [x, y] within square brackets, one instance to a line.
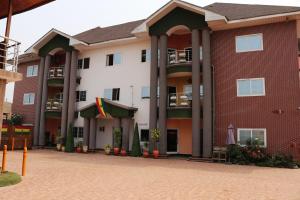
[131, 72]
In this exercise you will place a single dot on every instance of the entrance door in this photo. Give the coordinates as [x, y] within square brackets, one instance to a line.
[172, 141]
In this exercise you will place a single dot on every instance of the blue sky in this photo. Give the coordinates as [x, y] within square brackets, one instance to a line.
[75, 16]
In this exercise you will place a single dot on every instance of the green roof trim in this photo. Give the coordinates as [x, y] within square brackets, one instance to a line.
[57, 42]
[171, 69]
[56, 82]
[53, 114]
[176, 17]
[112, 108]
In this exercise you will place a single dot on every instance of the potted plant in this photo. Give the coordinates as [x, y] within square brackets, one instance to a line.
[123, 152]
[79, 147]
[59, 140]
[84, 148]
[117, 140]
[145, 150]
[63, 148]
[155, 133]
[107, 149]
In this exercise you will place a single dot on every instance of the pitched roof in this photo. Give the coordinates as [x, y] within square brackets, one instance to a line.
[244, 11]
[99, 34]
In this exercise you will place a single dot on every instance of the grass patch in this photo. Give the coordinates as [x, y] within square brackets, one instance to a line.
[9, 178]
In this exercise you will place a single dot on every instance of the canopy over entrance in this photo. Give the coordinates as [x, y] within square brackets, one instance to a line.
[20, 6]
[106, 108]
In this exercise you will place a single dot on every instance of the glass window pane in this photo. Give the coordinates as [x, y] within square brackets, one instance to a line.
[145, 92]
[144, 135]
[249, 43]
[148, 55]
[108, 94]
[35, 70]
[257, 87]
[244, 87]
[245, 137]
[259, 135]
[117, 59]
[86, 64]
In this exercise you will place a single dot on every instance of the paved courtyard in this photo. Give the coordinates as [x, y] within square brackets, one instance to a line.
[59, 176]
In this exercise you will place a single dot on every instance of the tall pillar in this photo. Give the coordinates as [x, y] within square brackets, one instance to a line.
[196, 150]
[125, 133]
[2, 94]
[86, 131]
[64, 118]
[163, 94]
[44, 101]
[116, 124]
[153, 87]
[38, 102]
[207, 101]
[92, 138]
[72, 88]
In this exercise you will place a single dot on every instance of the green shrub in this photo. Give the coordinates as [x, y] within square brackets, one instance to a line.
[155, 134]
[136, 146]
[70, 140]
[117, 137]
[16, 120]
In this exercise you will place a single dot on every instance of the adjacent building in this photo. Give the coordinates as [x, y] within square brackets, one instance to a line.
[189, 71]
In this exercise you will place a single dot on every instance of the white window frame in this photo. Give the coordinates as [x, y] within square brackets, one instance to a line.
[253, 50]
[30, 102]
[142, 89]
[33, 67]
[253, 129]
[251, 95]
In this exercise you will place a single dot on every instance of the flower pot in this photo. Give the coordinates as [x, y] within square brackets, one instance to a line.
[58, 147]
[63, 148]
[84, 149]
[116, 151]
[145, 154]
[107, 151]
[123, 152]
[78, 150]
[155, 154]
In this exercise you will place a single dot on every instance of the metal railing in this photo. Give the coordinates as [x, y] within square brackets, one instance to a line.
[9, 54]
[56, 72]
[54, 105]
[180, 100]
[179, 56]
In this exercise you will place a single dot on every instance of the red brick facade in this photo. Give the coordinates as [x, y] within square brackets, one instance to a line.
[278, 64]
[27, 85]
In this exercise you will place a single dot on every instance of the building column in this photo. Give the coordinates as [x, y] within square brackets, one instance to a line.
[92, 137]
[163, 94]
[38, 102]
[42, 128]
[207, 101]
[64, 118]
[125, 133]
[72, 88]
[2, 92]
[86, 131]
[196, 149]
[116, 124]
[153, 87]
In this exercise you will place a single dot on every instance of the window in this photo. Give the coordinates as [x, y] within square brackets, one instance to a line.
[246, 43]
[145, 55]
[80, 132]
[75, 129]
[84, 63]
[32, 71]
[188, 91]
[80, 96]
[102, 129]
[251, 87]
[145, 92]
[112, 94]
[28, 99]
[247, 136]
[144, 135]
[113, 59]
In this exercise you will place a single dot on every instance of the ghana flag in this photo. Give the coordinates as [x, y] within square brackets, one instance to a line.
[99, 103]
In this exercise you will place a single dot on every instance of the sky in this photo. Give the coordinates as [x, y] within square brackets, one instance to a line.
[75, 16]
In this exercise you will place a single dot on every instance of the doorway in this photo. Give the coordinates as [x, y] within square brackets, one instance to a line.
[172, 141]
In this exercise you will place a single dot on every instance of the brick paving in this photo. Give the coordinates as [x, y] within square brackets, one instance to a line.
[57, 176]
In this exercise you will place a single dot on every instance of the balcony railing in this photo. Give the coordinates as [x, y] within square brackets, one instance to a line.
[9, 54]
[56, 72]
[180, 99]
[179, 56]
[54, 105]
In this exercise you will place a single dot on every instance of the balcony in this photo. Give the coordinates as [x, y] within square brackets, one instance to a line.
[54, 108]
[9, 58]
[179, 62]
[180, 100]
[56, 77]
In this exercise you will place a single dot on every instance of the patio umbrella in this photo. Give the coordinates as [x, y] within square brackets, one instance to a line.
[230, 135]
